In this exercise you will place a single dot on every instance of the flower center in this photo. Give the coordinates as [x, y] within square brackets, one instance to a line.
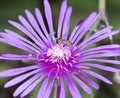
[60, 57]
[59, 52]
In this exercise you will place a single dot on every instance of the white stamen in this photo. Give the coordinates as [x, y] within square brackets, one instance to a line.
[59, 52]
[66, 69]
[74, 61]
[70, 64]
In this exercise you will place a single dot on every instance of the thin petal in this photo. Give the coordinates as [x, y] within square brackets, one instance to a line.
[12, 38]
[61, 18]
[21, 28]
[105, 47]
[49, 89]
[94, 74]
[20, 78]
[15, 43]
[29, 28]
[21, 38]
[62, 88]
[80, 22]
[99, 38]
[107, 68]
[36, 26]
[15, 57]
[95, 35]
[73, 89]
[113, 51]
[109, 54]
[26, 84]
[66, 23]
[42, 24]
[75, 30]
[82, 85]
[73, 33]
[48, 15]
[32, 86]
[88, 80]
[88, 20]
[87, 27]
[43, 88]
[16, 71]
[104, 61]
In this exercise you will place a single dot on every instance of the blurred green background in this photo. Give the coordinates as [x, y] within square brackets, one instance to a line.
[10, 9]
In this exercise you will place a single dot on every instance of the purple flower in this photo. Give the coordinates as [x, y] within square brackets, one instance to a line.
[62, 57]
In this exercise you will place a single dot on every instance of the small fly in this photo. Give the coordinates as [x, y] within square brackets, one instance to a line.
[67, 42]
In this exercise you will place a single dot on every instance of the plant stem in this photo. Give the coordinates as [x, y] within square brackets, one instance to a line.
[55, 90]
[103, 18]
[102, 4]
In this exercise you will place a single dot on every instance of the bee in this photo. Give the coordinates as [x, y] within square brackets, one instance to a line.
[67, 42]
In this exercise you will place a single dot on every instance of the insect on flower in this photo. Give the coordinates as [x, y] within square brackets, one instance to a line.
[65, 59]
[67, 42]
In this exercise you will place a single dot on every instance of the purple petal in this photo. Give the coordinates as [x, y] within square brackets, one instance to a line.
[107, 68]
[35, 26]
[99, 52]
[41, 23]
[20, 78]
[102, 52]
[30, 29]
[73, 89]
[16, 71]
[105, 47]
[43, 88]
[20, 42]
[66, 23]
[100, 38]
[75, 29]
[15, 43]
[88, 80]
[88, 20]
[23, 29]
[109, 54]
[58, 91]
[80, 22]
[82, 85]
[62, 88]
[21, 38]
[48, 15]
[104, 61]
[87, 27]
[32, 86]
[26, 84]
[61, 18]
[49, 89]
[73, 33]
[94, 74]
[95, 35]
[15, 57]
